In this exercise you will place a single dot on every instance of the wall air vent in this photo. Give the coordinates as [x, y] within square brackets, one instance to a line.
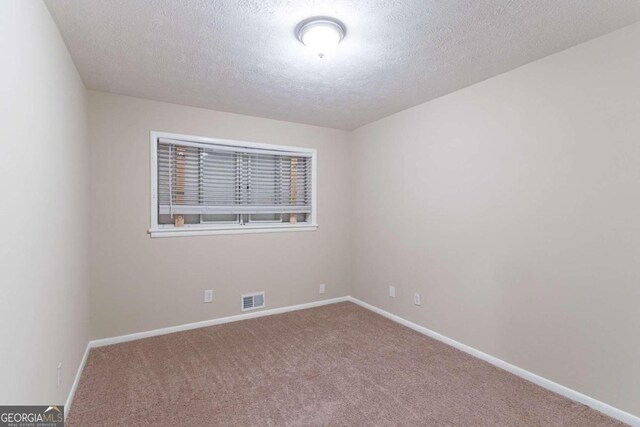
[253, 301]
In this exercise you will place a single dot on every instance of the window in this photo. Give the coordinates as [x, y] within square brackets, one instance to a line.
[211, 186]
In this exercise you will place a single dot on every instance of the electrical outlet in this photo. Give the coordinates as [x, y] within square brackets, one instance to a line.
[208, 295]
[416, 299]
[392, 291]
[322, 288]
[59, 374]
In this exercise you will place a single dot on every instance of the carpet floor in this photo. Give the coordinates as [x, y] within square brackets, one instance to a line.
[338, 365]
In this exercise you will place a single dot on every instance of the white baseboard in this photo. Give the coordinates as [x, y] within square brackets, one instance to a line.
[609, 410]
[76, 380]
[212, 322]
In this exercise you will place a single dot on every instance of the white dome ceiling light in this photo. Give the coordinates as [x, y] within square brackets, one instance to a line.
[321, 34]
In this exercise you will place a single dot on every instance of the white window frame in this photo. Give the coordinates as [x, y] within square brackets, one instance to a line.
[157, 230]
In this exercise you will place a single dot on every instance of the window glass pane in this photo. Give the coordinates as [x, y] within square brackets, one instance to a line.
[191, 219]
[188, 219]
[165, 219]
[265, 218]
[299, 217]
[219, 218]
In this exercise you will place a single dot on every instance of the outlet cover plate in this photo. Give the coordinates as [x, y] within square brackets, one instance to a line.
[208, 295]
[59, 374]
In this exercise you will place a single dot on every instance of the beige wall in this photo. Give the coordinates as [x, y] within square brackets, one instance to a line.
[513, 207]
[140, 283]
[43, 170]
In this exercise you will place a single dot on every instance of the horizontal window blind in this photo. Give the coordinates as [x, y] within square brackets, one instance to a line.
[199, 178]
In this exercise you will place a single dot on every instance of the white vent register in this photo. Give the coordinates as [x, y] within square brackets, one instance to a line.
[253, 301]
[211, 186]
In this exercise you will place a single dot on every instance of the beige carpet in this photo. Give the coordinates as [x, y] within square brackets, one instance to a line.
[334, 365]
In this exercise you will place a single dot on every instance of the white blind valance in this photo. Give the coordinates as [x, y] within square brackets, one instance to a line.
[202, 178]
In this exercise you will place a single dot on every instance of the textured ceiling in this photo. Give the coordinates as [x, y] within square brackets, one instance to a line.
[241, 56]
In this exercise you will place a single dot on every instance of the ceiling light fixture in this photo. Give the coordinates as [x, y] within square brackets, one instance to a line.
[321, 34]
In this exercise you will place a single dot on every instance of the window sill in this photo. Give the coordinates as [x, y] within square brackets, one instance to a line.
[245, 229]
